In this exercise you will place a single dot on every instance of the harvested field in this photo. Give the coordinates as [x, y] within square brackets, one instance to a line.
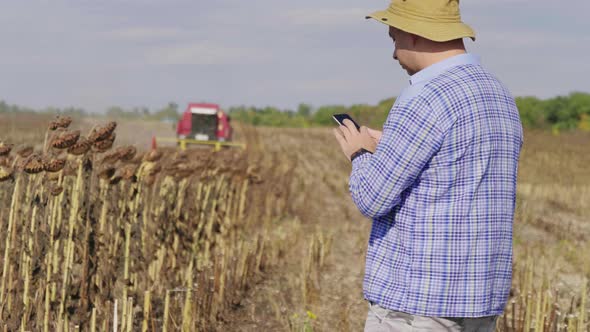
[265, 239]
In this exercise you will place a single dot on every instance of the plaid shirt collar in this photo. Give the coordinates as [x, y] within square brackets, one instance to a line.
[438, 68]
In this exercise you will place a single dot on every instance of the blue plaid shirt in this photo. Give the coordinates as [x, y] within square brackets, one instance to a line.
[441, 189]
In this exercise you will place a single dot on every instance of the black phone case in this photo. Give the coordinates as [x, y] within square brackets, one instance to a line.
[341, 117]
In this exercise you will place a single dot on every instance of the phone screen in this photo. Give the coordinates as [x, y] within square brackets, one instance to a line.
[339, 118]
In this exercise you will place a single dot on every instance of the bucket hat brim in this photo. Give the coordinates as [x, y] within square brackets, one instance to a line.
[435, 31]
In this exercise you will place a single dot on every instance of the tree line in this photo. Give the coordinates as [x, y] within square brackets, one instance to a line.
[71, 111]
[558, 113]
[168, 113]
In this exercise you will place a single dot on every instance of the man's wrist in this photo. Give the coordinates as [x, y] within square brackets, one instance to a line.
[358, 153]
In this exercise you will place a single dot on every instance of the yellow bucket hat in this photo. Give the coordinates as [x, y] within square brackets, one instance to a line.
[437, 20]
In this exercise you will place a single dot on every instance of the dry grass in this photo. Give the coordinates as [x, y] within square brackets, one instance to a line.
[552, 226]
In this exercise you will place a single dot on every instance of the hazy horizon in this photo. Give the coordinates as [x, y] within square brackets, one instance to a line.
[134, 53]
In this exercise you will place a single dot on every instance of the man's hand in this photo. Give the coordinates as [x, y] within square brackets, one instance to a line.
[352, 140]
[376, 134]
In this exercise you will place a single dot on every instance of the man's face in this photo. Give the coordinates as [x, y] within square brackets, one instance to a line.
[403, 49]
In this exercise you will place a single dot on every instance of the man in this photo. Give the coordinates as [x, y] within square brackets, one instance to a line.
[439, 181]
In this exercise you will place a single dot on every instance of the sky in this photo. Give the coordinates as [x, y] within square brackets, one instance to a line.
[145, 53]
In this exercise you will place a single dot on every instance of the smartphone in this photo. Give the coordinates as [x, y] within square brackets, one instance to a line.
[339, 118]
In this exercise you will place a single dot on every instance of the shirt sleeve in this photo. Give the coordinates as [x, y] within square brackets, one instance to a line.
[410, 139]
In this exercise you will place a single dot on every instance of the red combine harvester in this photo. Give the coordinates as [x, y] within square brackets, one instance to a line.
[204, 123]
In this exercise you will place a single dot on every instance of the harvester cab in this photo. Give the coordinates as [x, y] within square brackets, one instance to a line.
[206, 124]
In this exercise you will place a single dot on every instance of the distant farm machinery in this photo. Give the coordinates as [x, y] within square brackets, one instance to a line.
[203, 124]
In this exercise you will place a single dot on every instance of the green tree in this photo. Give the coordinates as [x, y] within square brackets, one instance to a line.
[169, 112]
[531, 112]
[304, 110]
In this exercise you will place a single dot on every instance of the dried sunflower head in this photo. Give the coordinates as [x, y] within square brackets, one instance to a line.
[111, 157]
[106, 172]
[153, 156]
[149, 169]
[5, 161]
[25, 151]
[81, 147]
[127, 153]
[5, 149]
[5, 173]
[56, 190]
[33, 164]
[60, 122]
[138, 158]
[53, 165]
[102, 133]
[66, 139]
[64, 121]
[106, 144]
[123, 153]
[128, 172]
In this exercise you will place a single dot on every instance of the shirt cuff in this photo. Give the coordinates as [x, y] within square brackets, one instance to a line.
[360, 160]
